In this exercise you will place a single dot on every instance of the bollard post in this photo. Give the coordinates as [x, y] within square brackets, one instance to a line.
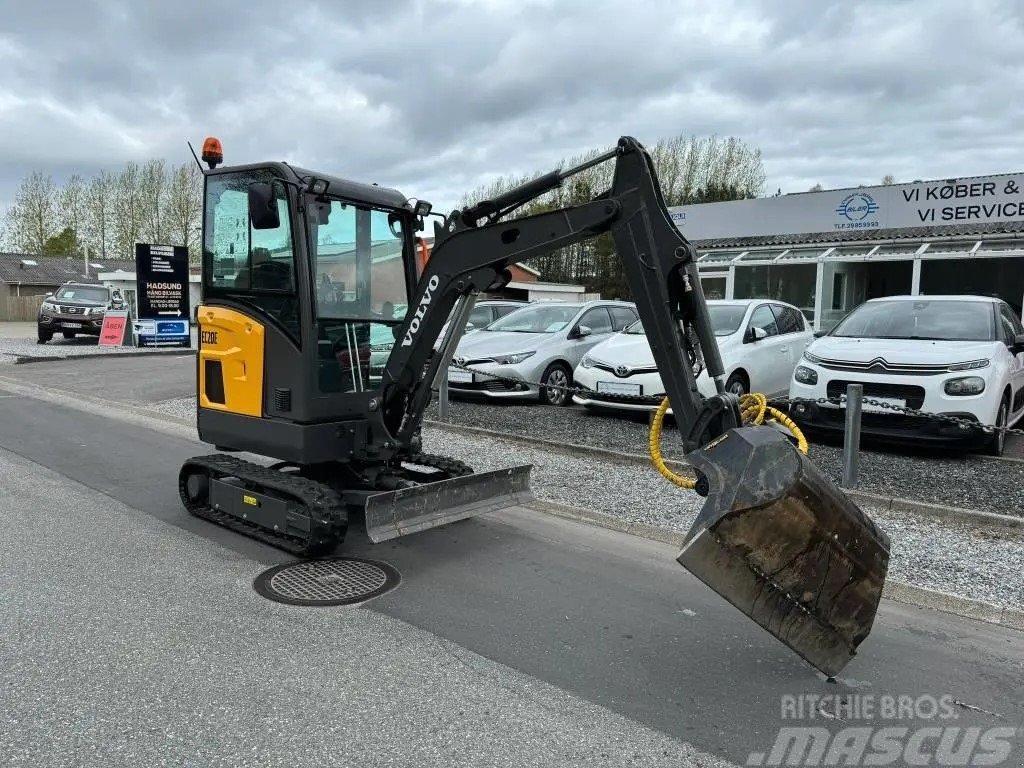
[851, 435]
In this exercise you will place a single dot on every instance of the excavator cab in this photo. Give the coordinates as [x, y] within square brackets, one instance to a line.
[318, 324]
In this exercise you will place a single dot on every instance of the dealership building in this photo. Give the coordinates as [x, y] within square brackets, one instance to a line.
[826, 252]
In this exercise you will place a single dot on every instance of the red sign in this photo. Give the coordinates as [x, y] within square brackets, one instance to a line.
[112, 331]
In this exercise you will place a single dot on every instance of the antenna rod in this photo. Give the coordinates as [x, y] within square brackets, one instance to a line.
[195, 155]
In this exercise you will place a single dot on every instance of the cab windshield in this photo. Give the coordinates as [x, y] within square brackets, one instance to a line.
[358, 260]
[725, 320]
[925, 319]
[536, 319]
[82, 293]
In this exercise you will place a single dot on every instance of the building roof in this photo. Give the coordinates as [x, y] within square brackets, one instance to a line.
[28, 269]
[965, 229]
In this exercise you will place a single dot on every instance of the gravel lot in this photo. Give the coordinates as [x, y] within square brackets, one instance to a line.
[13, 348]
[957, 558]
[971, 482]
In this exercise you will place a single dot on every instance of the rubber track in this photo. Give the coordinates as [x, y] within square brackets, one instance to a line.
[325, 510]
[451, 467]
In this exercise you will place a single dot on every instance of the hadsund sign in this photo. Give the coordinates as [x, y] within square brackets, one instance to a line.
[927, 203]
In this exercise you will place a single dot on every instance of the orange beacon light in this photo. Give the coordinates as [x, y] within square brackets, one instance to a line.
[213, 153]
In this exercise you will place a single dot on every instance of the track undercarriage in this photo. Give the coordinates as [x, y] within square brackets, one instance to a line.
[303, 510]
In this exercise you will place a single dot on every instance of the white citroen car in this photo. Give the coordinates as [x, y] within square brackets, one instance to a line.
[760, 341]
[956, 355]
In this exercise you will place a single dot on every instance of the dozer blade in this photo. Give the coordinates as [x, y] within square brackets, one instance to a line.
[782, 543]
[409, 510]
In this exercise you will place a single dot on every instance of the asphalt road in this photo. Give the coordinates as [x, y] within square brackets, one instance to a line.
[606, 621]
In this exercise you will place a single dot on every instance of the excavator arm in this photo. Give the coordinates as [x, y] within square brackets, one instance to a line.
[775, 536]
[659, 263]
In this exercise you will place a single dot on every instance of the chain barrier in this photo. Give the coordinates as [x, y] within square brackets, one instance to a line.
[837, 400]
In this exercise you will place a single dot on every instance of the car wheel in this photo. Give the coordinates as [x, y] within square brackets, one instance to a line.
[44, 336]
[997, 443]
[559, 376]
[737, 384]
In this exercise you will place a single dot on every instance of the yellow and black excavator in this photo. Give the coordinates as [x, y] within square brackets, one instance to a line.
[317, 333]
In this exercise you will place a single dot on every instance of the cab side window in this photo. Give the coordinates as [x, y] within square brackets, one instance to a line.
[597, 320]
[622, 317]
[763, 318]
[788, 319]
[253, 266]
[1011, 325]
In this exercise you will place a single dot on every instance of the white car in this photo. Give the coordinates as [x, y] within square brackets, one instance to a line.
[760, 341]
[956, 355]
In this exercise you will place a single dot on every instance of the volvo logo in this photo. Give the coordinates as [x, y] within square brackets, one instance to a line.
[621, 370]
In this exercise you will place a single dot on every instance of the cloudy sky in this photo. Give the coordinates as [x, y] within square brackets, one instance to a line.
[439, 97]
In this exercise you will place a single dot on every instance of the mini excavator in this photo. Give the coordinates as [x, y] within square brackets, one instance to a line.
[318, 323]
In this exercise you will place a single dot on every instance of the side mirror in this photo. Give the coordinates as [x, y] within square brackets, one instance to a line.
[580, 331]
[263, 206]
[1018, 344]
[754, 334]
[819, 334]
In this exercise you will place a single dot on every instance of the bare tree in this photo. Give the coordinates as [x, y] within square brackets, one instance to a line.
[99, 210]
[184, 208]
[690, 169]
[152, 198]
[888, 179]
[71, 204]
[816, 188]
[128, 210]
[32, 220]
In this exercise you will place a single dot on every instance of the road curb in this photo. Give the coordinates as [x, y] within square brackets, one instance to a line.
[897, 591]
[129, 412]
[886, 503]
[26, 359]
[938, 511]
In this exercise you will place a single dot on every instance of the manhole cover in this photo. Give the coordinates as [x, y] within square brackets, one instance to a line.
[333, 581]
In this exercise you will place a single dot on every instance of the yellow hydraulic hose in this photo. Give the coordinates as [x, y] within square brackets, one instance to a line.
[753, 407]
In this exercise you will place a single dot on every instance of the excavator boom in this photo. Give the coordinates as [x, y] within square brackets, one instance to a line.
[775, 537]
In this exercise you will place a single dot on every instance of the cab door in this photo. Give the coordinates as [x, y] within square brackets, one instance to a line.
[1011, 329]
[766, 352]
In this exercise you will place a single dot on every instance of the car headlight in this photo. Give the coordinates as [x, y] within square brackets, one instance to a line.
[805, 375]
[587, 361]
[515, 359]
[48, 307]
[969, 365]
[95, 310]
[965, 385]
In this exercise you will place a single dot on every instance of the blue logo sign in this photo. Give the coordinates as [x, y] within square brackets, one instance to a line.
[172, 327]
[678, 215]
[859, 209]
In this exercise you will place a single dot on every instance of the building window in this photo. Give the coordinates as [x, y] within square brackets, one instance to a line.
[838, 290]
[791, 283]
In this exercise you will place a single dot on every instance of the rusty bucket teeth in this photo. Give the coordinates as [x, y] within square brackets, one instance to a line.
[784, 545]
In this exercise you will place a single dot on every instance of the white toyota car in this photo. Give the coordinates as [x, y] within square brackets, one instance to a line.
[760, 341]
[961, 356]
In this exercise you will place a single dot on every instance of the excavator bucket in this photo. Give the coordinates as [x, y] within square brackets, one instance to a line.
[778, 540]
[409, 510]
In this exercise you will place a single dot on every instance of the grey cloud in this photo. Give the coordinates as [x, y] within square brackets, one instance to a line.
[437, 98]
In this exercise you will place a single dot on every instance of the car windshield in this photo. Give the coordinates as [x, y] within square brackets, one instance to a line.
[725, 320]
[82, 293]
[535, 319]
[927, 319]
